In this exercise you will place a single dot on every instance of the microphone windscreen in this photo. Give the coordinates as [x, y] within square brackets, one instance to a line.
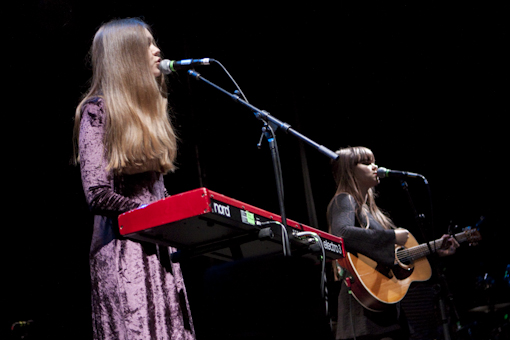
[382, 172]
[164, 66]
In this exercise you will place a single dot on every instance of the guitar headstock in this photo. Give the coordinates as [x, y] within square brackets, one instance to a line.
[471, 235]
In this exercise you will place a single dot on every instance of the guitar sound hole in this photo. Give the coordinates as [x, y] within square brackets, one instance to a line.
[404, 257]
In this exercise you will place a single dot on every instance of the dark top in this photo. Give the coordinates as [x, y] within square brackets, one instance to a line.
[378, 244]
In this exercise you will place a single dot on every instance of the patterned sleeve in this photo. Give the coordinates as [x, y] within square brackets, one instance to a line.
[97, 182]
[378, 245]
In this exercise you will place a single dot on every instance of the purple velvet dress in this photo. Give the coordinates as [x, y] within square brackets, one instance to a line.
[137, 293]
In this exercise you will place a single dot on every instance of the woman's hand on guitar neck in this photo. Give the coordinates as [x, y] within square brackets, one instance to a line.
[401, 236]
[448, 245]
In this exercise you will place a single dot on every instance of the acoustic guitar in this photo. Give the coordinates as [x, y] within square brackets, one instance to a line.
[377, 287]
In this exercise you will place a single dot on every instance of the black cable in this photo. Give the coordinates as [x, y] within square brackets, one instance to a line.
[231, 78]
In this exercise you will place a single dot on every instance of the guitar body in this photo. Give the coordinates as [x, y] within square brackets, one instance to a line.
[376, 287]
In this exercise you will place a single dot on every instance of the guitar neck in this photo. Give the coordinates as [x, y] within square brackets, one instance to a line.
[425, 249]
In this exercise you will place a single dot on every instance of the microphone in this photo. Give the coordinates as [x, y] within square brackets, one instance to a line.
[383, 173]
[168, 66]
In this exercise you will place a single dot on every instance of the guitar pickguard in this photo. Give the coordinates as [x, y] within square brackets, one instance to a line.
[384, 271]
[402, 273]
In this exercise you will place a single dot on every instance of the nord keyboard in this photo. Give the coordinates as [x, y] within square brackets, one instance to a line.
[202, 221]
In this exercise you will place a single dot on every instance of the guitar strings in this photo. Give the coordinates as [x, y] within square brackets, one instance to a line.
[411, 254]
[407, 255]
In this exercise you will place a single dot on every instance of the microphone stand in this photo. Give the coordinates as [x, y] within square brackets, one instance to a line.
[271, 124]
[420, 221]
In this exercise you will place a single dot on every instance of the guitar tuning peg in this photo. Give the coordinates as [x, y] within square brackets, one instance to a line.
[451, 228]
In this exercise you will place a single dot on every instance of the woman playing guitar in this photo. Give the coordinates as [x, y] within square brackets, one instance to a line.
[354, 216]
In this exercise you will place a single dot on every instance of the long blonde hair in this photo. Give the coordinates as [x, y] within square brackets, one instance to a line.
[343, 173]
[139, 135]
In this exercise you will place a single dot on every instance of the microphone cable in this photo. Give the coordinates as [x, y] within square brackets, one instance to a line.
[231, 78]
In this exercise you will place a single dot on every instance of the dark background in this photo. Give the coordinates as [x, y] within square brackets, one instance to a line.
[424, 85]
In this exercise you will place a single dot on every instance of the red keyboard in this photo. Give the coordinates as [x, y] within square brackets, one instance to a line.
[204, 222]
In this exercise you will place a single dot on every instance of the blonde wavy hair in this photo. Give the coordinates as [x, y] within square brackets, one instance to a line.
[139, 135]
[343, 173]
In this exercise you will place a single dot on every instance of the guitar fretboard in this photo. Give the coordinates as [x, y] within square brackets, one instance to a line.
[410, 254]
